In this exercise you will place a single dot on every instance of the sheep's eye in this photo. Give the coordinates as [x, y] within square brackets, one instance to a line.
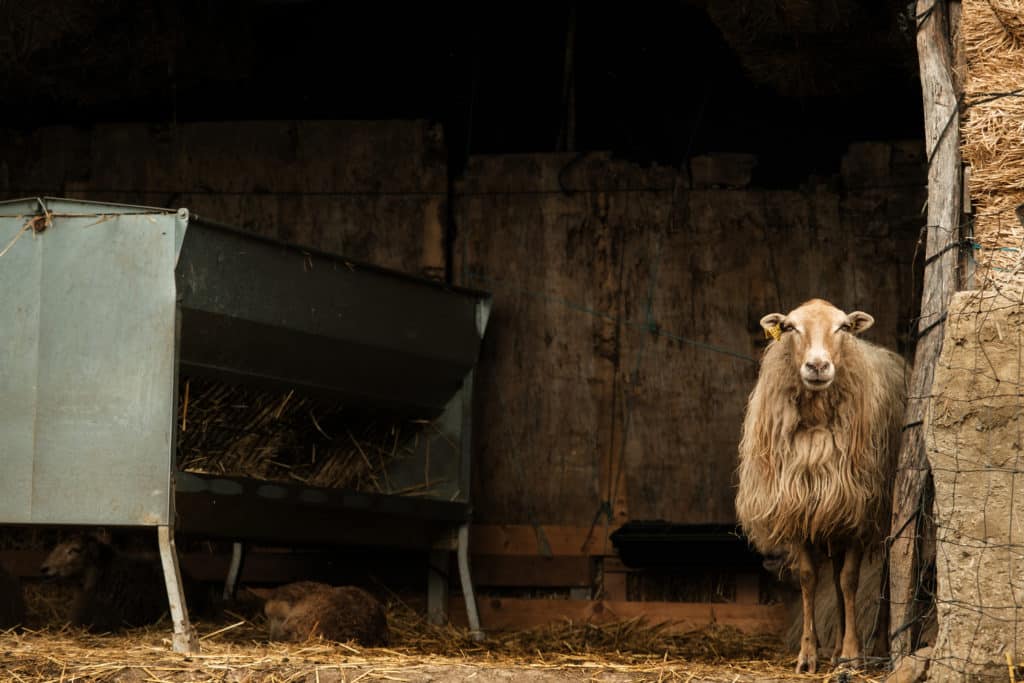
[845, 327]
[785, 327]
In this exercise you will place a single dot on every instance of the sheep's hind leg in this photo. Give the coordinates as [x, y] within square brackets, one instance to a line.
[808, 658]
[853, 651]
[837, 570]
[185, 639]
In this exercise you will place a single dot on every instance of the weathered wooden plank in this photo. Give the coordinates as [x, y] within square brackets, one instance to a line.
[499, 614]
[705, 295]
[614, 579]
[748, 588]
[546, 370]
[586, 399]
[528, 572]
[259, 567]
[523, 539]
[371, 190]
[911, 525]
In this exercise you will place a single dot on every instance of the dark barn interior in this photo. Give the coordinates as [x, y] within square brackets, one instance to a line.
[635, 185]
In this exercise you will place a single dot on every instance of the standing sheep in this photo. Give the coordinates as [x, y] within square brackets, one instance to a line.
[817, 455]
[115, 590]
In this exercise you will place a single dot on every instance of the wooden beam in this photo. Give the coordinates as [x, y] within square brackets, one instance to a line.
[748, 588]
[910, 521]
[521, 539]
[615, 585]
[529, 571]
[259, 567]
[501, 614]
[571, 571]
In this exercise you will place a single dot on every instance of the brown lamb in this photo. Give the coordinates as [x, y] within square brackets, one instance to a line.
[306, 609]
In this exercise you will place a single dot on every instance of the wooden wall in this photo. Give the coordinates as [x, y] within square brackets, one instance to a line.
[625, 322]
[621, 346]
[373, 190]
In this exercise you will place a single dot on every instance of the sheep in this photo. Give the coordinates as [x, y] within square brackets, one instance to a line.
[307, 609]
[817, 455]
[12, 601]
[115, 590]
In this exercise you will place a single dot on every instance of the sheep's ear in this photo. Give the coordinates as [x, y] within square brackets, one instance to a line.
[859, 321]
[772, 320]
[773, 325]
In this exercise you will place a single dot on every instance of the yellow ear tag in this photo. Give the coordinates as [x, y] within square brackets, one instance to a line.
[773, 332]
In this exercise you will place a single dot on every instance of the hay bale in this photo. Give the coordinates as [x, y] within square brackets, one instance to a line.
[1011, 15]
[993, 132]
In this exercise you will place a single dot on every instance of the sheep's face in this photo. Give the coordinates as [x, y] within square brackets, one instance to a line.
[276, 612]
[816, 333]
[67, 560]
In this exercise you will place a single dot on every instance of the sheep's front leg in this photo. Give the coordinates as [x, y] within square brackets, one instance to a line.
[852, 654]
[809, 640]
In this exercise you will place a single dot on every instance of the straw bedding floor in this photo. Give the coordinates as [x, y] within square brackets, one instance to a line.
[627, 651]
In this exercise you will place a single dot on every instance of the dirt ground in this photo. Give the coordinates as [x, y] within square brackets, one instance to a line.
[241, 654]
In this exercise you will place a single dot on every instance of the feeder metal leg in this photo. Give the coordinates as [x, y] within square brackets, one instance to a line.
[234, 569]
[437, 587]
[185, 639]
[472, 616]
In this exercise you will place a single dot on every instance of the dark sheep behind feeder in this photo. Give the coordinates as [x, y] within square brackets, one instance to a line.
[12, 601]
[306, 609]
[115, 590]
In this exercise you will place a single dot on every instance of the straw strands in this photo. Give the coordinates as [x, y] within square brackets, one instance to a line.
[624, 651]
[281, 436]
[993, 133]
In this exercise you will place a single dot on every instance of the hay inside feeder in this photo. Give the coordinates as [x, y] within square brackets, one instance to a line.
[235, 430]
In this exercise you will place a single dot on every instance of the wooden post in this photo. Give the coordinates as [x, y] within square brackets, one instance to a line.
[910, 521]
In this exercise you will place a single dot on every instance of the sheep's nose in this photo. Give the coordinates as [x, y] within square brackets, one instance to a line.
[818, 366]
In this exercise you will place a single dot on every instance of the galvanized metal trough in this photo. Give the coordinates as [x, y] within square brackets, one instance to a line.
[103, 306]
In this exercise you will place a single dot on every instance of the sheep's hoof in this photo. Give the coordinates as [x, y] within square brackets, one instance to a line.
[807, 662]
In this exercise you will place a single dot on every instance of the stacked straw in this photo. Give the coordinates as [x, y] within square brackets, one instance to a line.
[993, 135]
[240, 431]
